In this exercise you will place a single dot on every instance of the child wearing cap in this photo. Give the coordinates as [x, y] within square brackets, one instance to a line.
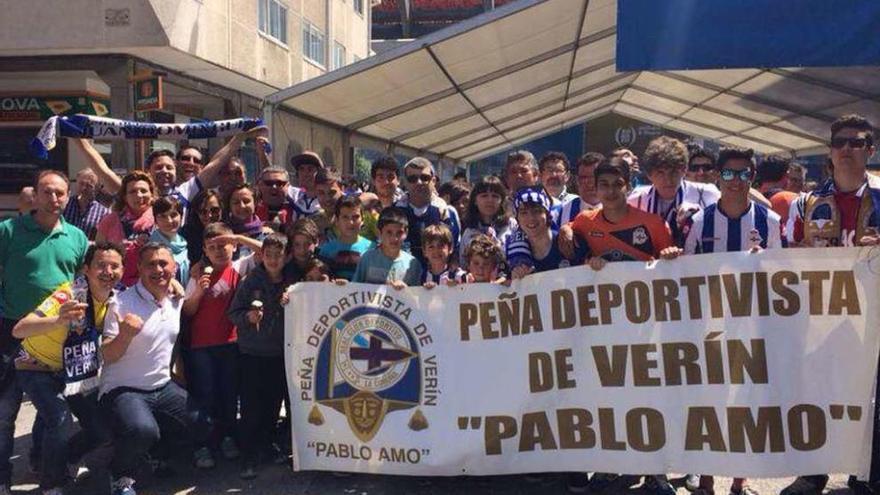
[534, 248]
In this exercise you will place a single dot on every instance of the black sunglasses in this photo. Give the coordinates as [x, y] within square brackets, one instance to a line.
[191, 158]
[855, 143]
[707, 167]
[426, 178]
[275, 183]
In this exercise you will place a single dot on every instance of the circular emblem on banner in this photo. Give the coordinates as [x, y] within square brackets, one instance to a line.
[625, 136]
[372, 352]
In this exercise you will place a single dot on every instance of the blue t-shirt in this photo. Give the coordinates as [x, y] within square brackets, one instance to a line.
[343, 257]
[376, 268]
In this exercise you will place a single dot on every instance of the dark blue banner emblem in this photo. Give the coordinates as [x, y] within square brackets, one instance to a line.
[368, 366]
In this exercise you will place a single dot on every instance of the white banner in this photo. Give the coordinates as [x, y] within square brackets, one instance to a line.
[736, 364]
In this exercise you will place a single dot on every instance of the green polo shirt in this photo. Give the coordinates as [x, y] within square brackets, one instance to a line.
[35, 262]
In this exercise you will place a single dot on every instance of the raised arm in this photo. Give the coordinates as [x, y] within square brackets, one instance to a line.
[210, 175]
[96, 162]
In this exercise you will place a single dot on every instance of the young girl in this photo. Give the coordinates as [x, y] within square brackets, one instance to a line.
[486, 215]
[316, 270]
[241, 217]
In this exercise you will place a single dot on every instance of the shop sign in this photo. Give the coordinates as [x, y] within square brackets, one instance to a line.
[25, 108]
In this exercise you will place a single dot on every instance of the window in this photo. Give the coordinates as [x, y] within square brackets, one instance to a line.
[358, 6]
[313, 43]
[338, 55]
[272, 16]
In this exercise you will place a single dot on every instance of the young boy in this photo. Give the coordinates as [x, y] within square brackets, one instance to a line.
[213, 354]
[168, 214]
[620, 232]
[484, 260]
[388, 263]
[328, 189]
[437, 242]
[258, 314]
[734, 223]
[343, 252]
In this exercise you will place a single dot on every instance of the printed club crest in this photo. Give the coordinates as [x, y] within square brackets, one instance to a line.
[368, 366]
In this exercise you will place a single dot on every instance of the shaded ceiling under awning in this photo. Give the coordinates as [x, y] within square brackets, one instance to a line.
[535, 67]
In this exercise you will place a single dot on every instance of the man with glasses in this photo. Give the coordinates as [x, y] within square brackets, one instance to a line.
[189, 162]
[735, 222]
[845, 211]
[554, 169]
[162, 167]
[275, 204]
[701, 165]
[424, 207]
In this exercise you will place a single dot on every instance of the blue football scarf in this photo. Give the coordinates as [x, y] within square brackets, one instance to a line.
[81, 355]
[88, 126]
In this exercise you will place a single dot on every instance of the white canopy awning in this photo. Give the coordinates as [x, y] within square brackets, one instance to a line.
[534, 67]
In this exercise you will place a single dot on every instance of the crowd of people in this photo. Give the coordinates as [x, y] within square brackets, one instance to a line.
[159, 317]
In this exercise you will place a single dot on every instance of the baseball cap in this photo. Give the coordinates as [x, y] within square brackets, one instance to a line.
[531, 195]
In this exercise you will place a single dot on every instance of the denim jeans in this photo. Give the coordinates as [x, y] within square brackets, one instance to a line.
[45, 391]
[10, 399]
[213, 386]
[263, 387]
[144, 419]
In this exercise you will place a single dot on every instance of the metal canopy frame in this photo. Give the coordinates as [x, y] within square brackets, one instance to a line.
[533, 67]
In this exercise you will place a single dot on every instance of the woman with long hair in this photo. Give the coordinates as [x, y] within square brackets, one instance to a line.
[206, 209]
[131, 220]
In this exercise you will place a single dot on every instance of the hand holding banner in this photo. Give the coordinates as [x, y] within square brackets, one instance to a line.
[756, 365]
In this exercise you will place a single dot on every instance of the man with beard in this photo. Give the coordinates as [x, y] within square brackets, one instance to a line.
[83, 210]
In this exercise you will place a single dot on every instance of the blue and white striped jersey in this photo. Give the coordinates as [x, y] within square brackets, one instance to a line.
[563, 213]
[713, 232]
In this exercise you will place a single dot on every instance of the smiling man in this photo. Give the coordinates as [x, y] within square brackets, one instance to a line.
[136, 386]
[423, 207]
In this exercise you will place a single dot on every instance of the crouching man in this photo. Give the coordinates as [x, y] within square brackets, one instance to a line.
[146, 408]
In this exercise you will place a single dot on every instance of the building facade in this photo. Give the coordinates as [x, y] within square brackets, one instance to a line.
[217, 59]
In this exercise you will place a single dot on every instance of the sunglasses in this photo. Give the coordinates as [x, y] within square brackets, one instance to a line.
[855, 143]
[214, 210]
[191, 158]
[698, 167]
[426, 178]
[275, 183]
[728, 174]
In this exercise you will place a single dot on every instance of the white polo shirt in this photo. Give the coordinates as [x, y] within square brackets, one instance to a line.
[146, 364]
